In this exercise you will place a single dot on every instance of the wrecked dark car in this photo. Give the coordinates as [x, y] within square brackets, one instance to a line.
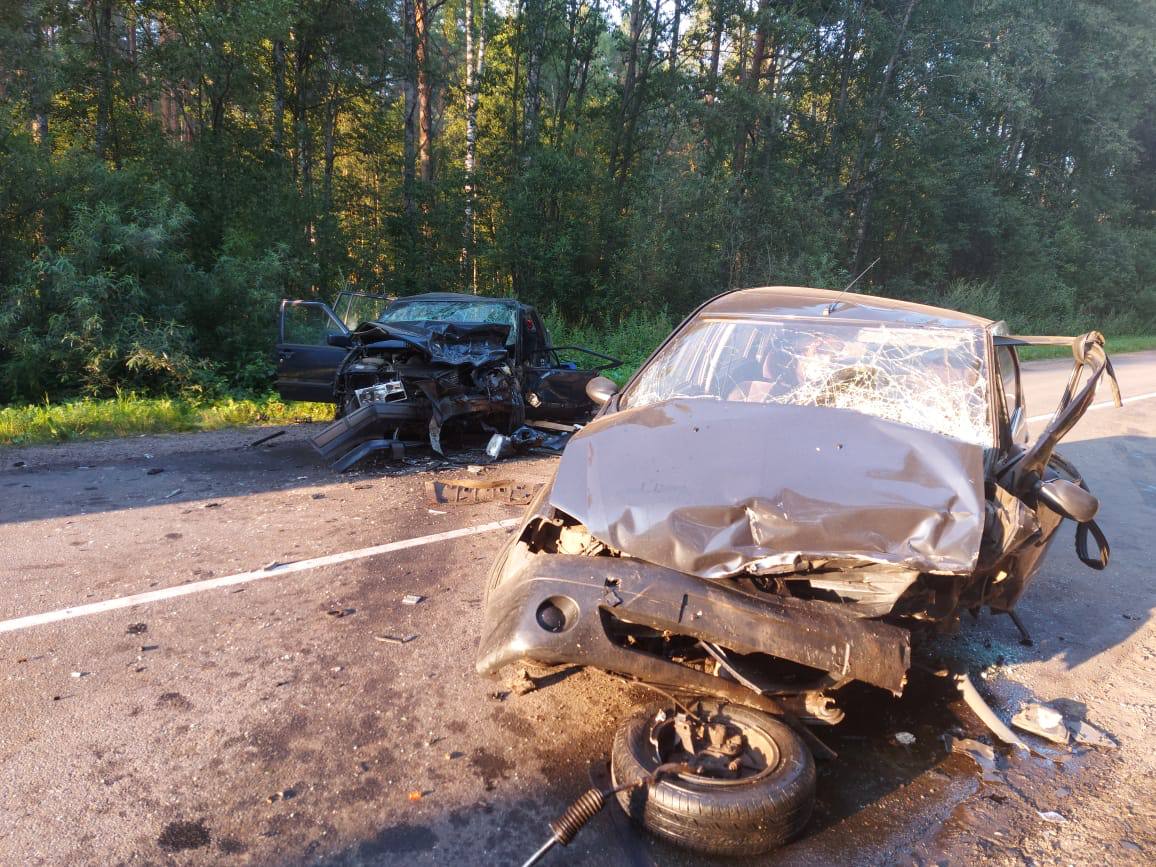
[424, 366]
[794, 486]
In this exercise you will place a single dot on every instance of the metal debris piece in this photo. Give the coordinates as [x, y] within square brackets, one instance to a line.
[338, 613]
[172, 493]
[266, 439]
[395, 639]
[1052, 816]
[467, 492]
[904, 738]
[412, 599]
[137, 629]
[1083, 732]
[526, 438]
[979, 707]
[1041, 720]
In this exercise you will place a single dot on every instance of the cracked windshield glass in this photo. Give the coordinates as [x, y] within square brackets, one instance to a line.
[933, 379]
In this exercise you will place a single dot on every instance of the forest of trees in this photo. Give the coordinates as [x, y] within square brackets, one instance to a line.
[170, 168]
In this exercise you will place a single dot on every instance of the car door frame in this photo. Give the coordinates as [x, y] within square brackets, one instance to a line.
[551, 390]
[307, 371]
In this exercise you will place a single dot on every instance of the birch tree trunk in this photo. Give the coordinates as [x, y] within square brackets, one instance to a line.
[473, 72]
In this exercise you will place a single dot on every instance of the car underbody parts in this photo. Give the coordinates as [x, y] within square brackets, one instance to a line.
[1025, 636]
[587, 806]
[747, 783]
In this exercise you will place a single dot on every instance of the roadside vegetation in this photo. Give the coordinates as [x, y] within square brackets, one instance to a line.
[128, 415]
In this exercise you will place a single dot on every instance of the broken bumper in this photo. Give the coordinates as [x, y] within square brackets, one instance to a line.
[558, 609]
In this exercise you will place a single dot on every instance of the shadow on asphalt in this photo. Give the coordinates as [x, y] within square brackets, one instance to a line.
[56, 490]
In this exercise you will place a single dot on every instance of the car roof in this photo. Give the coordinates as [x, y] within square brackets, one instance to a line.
[457, 296]
[803, 302]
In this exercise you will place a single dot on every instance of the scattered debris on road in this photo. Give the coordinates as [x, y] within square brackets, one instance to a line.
[905, 739]
[136, 629]
[522, 683]
[338, 613]
[395, 639]
[1052, 816]
[469, 492]
[154, 471]
[1041, 720]
[980, 753]
[526, 439]
[1083, 732]
[412, 599]
[266, 439]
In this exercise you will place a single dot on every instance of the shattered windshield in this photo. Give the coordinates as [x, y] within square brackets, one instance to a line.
[450, 311]
[928, 378]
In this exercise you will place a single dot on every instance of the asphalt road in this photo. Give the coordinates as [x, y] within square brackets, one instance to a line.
[267, 722]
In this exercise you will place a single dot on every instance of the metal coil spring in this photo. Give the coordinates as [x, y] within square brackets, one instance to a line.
[577, 815]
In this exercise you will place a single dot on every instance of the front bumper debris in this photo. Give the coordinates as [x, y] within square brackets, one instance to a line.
[522, 622]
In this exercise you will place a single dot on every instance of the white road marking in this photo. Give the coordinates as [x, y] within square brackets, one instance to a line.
[245, 577]
[1104, 404]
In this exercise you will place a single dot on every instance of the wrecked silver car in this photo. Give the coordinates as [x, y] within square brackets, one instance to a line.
[792, 487]
[407, 372]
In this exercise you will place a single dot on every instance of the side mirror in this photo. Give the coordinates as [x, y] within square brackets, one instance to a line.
[1068, 499]
[600, 389]
[343, 340]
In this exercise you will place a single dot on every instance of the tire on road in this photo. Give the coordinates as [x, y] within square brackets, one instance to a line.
[718, 817]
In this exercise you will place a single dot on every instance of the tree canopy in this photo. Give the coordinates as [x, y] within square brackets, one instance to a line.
[169, 168]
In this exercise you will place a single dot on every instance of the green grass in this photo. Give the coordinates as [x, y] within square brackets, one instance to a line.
[129, 414]
[1115, 345]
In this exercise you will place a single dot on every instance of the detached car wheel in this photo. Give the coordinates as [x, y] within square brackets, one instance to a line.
[748, 796]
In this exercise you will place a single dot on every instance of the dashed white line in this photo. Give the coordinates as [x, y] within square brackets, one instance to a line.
[1104, 404]
[244, 577]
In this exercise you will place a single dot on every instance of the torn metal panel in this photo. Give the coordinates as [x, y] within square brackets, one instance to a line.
[457, 492]
[594, 592]
[715, 488]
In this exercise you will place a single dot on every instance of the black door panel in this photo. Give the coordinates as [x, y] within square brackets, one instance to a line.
[306, 363]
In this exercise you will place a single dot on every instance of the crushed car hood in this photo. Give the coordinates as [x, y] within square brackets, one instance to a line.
[713, 488]
[445, 342]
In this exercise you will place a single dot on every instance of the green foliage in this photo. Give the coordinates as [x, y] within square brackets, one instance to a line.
[169, 170]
